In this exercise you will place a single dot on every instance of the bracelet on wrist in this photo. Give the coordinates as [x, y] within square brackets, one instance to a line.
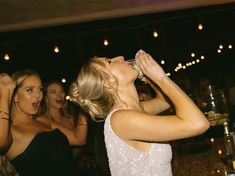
[3, 112]
[5, 118]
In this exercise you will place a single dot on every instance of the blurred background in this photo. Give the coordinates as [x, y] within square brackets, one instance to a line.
[193, 38]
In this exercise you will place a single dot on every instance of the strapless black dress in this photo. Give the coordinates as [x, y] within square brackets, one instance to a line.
[48, 154]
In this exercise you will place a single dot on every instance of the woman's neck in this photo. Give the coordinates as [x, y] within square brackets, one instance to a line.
[18, 117]
[127, 98]
[53, 114]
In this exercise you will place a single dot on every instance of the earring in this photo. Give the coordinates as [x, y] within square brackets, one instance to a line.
[15, 100]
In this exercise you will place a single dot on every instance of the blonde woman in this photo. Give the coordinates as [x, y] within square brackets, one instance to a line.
[136, 139]
[33, 147]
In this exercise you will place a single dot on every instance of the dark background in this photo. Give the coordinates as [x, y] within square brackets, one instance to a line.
[178, 37]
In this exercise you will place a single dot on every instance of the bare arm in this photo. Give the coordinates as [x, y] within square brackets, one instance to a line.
[76, 136]
[81, 129]
[157, 104]
[6, 90]
[135, 125]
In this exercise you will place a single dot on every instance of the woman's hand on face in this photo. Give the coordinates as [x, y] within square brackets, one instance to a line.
[149, 66]
[7, 86]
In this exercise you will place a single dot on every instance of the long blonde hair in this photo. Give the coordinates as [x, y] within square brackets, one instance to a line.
[89, 92]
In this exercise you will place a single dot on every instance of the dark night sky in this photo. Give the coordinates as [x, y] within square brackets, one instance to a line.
[178, 37]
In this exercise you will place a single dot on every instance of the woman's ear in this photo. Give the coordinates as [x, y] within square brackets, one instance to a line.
[108, 84]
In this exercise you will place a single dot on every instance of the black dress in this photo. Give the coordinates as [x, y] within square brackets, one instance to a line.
[48, 154]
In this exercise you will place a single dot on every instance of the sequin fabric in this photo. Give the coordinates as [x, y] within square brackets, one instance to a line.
[124, 160]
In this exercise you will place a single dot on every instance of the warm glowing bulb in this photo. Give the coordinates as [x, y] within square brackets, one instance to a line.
[192, 54]
[56, 49]
[219, 51]
[212, 140]
[220, 46]
[6, 57]
[200, 26]
[63, 80]
[155, 34]
[202, 57]
[67, 97]
[230, 46]
[162, 62]
[106, 43]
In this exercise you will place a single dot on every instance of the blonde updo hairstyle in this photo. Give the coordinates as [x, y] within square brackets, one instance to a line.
[89, 92]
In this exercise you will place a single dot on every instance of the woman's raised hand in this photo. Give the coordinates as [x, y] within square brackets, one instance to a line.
[149, 66]
[7, 86]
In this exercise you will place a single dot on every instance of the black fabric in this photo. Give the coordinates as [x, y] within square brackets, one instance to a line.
[48, 154]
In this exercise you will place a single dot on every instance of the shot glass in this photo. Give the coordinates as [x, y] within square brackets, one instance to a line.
[136, 66]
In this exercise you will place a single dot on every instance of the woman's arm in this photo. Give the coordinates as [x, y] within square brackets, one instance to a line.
[76, 136]
[157, 104]
[135, 125]
[82, 128]
[6, 90]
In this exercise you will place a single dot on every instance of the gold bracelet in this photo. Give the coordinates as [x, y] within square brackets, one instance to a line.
[5, 118]
[3, 112]
[82, 123]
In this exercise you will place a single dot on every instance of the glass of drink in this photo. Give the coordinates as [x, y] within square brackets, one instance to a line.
[136, 66]
[214, 105]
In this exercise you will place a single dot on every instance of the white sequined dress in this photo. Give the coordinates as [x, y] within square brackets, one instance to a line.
[124, 160]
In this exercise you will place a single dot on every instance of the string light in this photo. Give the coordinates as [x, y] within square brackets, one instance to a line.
[200, 26]
[106, 42]
[155, 34]
[6, 57]
[56, 49]
[63, 80]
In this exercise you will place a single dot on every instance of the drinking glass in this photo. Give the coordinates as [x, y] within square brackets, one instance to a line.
[214, 106]
[136, 66]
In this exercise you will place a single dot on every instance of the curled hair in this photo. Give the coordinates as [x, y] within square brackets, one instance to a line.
[88, 90]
